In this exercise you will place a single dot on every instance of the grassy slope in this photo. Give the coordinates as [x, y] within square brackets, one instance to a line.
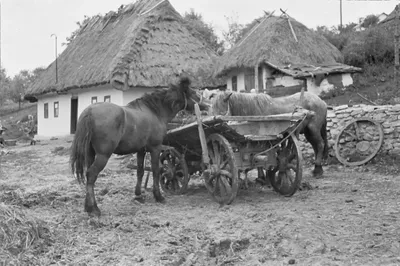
[10, 115]
[376, 84]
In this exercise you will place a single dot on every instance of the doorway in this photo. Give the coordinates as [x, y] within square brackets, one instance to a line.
[74, 114]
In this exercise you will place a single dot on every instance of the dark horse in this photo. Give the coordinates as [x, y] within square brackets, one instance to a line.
[139, 127]
[314, 129]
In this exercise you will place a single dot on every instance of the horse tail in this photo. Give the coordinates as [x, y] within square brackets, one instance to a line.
[324, 135]
[82, 152]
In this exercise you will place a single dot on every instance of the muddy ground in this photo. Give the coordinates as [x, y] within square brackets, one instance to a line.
[348, 217]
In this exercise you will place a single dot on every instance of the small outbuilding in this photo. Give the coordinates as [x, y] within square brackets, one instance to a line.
[279, 56]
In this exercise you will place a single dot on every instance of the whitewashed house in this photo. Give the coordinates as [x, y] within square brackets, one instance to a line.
[117, 58]
[280, 56]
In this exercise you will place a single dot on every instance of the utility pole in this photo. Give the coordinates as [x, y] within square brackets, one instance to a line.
[341, 9]
[396, 47]
[341, 21]
[56, 56]
[1, 80]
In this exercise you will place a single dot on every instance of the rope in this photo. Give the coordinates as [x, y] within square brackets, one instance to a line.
[285, 138]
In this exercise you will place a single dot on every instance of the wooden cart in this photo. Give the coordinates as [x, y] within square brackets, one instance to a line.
[223, 147]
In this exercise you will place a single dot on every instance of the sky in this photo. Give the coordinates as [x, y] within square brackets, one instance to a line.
[27, 25]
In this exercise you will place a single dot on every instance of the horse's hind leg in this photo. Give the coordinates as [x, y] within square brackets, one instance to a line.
[140, 172]
[155, 166]
[91, 175]
[315, 139]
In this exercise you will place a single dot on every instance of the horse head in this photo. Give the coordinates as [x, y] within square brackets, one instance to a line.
[187, 97]
[220, 103]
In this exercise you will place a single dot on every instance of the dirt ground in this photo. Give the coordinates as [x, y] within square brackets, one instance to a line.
[348, 217]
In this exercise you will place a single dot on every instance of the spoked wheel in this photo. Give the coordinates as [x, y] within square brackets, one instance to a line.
[285, 177]
[358, 142]
[221, 178]
[174, 175]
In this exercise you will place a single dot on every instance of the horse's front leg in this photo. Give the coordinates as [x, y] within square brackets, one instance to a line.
[140, 172]
[155, 166]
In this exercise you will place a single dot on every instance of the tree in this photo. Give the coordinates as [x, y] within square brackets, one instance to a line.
[237, 31]
[21, 82]
[203, 31]
[4, 85]
[234, 32]
[338, 36]
[370, 21]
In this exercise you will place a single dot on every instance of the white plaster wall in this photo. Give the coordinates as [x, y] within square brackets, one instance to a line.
[286, 81]
[85, 96]
[325, 86]
[61, 125]
[54, 126]
[240, 79]
[134, 93]
[347, 79]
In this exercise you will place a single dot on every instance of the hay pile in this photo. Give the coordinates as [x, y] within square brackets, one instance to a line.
[22, 237]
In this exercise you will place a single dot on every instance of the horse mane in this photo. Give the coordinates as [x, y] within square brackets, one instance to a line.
[242, 103]
[158, 98]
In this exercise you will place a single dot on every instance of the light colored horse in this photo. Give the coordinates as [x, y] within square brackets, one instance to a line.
[250, 104]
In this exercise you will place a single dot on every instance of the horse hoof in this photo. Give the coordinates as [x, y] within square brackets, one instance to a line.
[318, 171]
[318, 174]
[93, 212]
[161, 200]
[140, 199]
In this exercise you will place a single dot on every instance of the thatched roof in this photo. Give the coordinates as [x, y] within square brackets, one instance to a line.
[272, 41]
[143, 44]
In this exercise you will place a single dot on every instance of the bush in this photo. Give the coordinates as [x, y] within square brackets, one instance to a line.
[372, 46]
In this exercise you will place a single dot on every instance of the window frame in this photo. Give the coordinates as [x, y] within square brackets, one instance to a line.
[94, 99]
[234, 83]
[56, 110]
[107, 98]
[46, 110]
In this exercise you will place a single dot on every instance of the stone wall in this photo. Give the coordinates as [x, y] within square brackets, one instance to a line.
[387, 115]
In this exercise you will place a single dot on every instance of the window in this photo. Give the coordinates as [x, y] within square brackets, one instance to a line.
[249, 82]
[107, 99]
[94, 99]
[56, 109]
[234, 83]
[46, 110]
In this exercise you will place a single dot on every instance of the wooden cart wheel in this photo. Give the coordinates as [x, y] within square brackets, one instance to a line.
[174, 174]
[285, 177]
[221, 178]
[358, 142]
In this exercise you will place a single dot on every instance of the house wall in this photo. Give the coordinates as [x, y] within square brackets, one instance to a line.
[61, 125]
[130, 95]
[54, 126]
[330, 82]
[275, 80]
[85, 96]
[240, 73]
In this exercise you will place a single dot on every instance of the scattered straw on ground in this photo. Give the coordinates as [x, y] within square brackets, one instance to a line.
[21, 235]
